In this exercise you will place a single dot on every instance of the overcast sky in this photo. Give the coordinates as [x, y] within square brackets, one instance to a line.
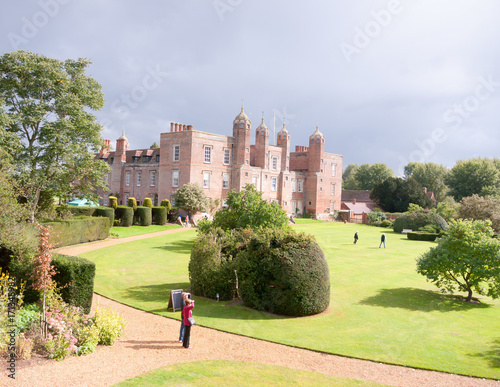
[385, 81]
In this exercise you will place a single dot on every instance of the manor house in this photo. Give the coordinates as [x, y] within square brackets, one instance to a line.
[307, 180]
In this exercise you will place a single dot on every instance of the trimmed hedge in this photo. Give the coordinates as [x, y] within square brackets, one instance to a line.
[144, 215]
[126, 215]
[76, 210]
[418, 219]
[173, 214]
[147, 203]
[159, 215]
[422, 236]
[78, 230]
[106, 212]
[166, 203]
[113, 202]
[75, 277]
[132, 202]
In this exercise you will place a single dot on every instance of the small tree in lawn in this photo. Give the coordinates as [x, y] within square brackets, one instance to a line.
[43, 270]
[467, 258]
[191, 198]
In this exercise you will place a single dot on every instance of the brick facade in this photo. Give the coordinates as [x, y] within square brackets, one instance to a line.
[305, 180]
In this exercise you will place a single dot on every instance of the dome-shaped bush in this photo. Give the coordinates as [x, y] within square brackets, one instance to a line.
[419, 219]
[284, 272]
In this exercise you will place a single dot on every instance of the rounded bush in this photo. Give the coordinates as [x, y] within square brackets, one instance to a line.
[284, 272]
[126, 215]
[106, 212]
[144, 215]
[159, 215]
[148, 203]
[418, 219]
[113, 202]
[166, 203]
[422, 236]
[132, 202]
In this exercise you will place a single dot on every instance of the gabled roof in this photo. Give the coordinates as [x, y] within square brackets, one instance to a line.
[348, 195]
[358, 208]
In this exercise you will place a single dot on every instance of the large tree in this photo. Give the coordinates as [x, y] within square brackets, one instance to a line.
[467, 258]
[477, 207]
[47, 103]
[479, 176]
[366, 176]
[395, 194]
[191, 198]
[348, 177]
[430, 175]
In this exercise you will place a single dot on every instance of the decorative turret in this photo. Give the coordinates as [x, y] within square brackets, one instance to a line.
[284, 142]
[122, 146]
[242, 127]
[261, 145]
[316, 150]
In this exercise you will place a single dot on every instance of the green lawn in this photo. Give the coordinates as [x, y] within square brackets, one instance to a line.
[232, 373]
[123, 232]
[380, 308]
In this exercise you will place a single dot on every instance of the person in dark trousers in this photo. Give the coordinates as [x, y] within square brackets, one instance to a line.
[382, 240]
[186, 313]
[183, 327]
[356, 237]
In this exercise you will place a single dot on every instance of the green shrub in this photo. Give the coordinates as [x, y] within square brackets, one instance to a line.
[106, 212]
[386, 223]
[147, 203]
[110, 325]
[376, 216]
[284, 272]
[159, 215]
[125, 215]
[76, 210]
[78, 230]
[75, 277]
[173, 214]
[166, 203]
[132, 202]
[144, 215]
[26, 316]
[113, 202]
[422, 236]
[416, 220]
[88, 339]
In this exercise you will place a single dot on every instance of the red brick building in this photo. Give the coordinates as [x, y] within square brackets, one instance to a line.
[308, 179]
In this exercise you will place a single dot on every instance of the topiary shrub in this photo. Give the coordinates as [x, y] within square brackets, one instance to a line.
[144, 215]
[78, 230]
[159, 215]
[76, 210]
[422, 236]
[125, 215]
[284, 272]
[106, 212]
[166, 203]
[113, 202]
[416, 220]
[75, 278]
[386, 223]
[147, 203]
[132, 202]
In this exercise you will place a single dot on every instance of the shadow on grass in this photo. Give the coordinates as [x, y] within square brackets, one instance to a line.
[154, 293]
[492, 356]
[421, 300]
[180, 247]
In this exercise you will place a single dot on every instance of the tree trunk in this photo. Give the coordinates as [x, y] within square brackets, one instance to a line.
[469, 296]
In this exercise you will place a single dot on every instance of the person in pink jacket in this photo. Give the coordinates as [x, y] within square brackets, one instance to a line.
[186, 313]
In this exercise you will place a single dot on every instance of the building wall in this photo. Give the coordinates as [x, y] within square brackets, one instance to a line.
[297, 180]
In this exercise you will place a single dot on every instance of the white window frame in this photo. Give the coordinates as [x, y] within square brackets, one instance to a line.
[175, 178]
[176, 153]
[274, 183]
[227, 156]
[255, 180]
[334, 169]
[300, 185]
[138, 176]
[152, 178]
[206, 179]
[275, 163]
[207, 154]
[127, 178]
[294, 185]
[225, 180]
[332, 189]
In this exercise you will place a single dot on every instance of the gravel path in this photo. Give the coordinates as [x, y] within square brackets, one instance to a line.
[150, 342]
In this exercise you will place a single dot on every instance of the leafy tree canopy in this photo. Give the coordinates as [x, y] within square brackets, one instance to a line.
[348, 177]
[395, 194]
[248, 209]
[479, 176]
[477, 207]
[366, 175]
[429, 175]
[50, 130]
[467, 259]
[154, 145]
[191, 198]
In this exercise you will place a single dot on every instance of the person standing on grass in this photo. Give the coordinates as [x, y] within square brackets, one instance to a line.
[356, 237]
[186, 314]
[382, 240]
[183, 327]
